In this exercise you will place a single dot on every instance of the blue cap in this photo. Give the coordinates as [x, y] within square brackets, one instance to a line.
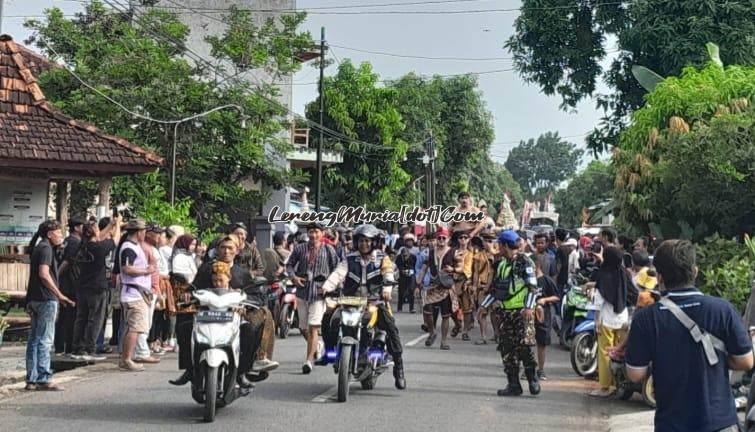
[511, 238]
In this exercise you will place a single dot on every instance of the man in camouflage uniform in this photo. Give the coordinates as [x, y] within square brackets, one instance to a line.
[515, 287]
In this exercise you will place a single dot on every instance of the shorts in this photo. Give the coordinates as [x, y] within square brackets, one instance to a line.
[543, 333]
[136, 314]
[312, 312]
[444, 305]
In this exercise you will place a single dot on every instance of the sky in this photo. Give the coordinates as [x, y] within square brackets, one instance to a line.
[520, 111]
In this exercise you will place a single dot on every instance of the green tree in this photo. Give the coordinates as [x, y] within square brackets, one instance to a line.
[541, 166]
[453, 111]
[139, 61]
[685, 165]
[559, 46]
[356, 107]
[591, 186]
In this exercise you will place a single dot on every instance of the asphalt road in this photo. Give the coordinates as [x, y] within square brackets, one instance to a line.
[447, 391]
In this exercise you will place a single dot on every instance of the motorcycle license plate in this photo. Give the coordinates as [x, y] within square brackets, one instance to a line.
[214, 316]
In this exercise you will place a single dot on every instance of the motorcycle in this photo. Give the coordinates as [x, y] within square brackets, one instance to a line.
[288, 316]
[584, 351]
[216, 348]
[625, 388]
[361, 349]
[575, 308]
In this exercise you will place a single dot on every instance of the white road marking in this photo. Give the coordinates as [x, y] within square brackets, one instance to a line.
[327, 396]
[417, 340]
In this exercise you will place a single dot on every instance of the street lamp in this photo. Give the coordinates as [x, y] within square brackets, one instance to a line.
[175, 141]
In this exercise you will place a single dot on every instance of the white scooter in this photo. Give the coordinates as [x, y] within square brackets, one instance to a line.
[216, 348]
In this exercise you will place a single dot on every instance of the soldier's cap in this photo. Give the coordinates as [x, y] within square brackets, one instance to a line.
[488, 234]
[509, 237]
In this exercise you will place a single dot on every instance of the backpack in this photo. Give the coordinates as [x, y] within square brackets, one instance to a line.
[82, 256]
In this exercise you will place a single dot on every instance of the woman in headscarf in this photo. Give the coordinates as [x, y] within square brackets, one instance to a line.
[614, 291]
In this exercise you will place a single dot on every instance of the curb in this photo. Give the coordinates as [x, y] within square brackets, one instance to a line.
[13, 383]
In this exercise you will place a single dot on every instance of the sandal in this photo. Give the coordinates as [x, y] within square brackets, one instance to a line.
[444, 347]
[455, 332]
[431, 340]
[465, 337]
[481, 342]
[49, 387]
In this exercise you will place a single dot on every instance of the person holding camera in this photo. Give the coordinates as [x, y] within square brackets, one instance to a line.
[515, 287]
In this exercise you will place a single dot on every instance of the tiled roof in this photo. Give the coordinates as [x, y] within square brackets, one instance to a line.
[33, 133]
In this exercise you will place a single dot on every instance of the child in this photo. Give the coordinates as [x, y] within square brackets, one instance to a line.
[221, 275]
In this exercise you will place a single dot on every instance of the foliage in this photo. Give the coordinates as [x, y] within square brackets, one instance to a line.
[727, 269]
[139, 61]
[703, 123]
[541, 166]
[559, 46]
[371, 173]
[592, 186]
[454, 112]
[4, 298]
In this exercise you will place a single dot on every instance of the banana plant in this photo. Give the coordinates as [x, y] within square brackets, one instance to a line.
[649, 80]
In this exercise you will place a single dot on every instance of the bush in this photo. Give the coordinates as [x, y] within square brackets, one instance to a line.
[727, 270]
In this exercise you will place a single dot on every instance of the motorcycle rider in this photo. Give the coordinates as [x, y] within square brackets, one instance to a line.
[362, 272]
[515, 286]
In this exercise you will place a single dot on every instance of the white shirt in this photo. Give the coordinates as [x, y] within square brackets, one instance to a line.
[162, 263]
[184, 264]
[166, 252]
[573, 262]
[608, 317]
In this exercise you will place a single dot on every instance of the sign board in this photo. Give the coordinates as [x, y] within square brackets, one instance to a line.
[23, 206]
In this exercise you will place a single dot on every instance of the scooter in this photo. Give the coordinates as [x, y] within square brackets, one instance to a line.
[361, 350]
[215, 348]
[288, 316]
[625, 388]
[574, 311]
[584, 351]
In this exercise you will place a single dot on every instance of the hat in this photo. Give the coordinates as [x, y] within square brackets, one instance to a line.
[136, 225]
[76, 221]
[314, 225]
[442, 231]
[571, 242]
[409, 236]
[155, 228]
[509, 237]
[489, 234]
[464, 194]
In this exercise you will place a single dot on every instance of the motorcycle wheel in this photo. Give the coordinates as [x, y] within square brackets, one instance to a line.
[648, 392]
[369, 382]
[584, 358]
[284, 326]
[343, 372]
[210, 393]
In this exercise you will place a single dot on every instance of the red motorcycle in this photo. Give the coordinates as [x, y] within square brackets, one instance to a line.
[288, 316]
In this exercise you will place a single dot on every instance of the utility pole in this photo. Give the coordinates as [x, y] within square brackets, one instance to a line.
[322, 109]
[1, 15]
[432, 169]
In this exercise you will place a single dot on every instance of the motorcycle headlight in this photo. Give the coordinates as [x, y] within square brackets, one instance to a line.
[351, 317]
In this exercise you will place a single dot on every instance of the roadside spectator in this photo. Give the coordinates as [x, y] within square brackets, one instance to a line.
[200, 252]
[548, 298]
[102, 347]
[309, 262]
[136, 291]
[170, 240]
[42, 297]
[542, 258]
[92, 294]
[691, 393]
[487, 223]
[249, 256]
[275, 257]
[612, 287]
[182, 262]
[573, 266]
[143, 353]
[67, 315]
[159, 321]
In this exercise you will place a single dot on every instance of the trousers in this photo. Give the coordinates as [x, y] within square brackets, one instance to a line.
[515, 341]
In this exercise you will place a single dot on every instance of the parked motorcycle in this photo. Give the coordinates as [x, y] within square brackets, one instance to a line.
[361, 350]
[584, 351]
[288, 316]
[626, 388]
[574, 309]
[215, 346]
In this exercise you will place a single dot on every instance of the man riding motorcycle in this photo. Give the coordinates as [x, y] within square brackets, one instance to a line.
[363, 273]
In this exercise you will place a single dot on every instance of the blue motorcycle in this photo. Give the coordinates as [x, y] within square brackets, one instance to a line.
[584, 350]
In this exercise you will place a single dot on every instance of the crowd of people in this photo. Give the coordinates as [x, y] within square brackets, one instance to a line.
[469, 274]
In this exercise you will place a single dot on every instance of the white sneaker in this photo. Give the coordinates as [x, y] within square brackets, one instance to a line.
[97, 357]
[265, 365]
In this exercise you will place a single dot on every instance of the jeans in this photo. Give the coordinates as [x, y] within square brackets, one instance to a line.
[142, 346]
[41, 338]
[90, 314]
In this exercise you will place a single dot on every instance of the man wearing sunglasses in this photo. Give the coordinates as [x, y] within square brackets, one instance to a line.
[515, 288]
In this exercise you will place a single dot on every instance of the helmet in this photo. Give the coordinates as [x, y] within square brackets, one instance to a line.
[367, 230]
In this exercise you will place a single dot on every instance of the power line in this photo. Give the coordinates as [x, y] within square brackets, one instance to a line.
[388, 54]
[415, 3]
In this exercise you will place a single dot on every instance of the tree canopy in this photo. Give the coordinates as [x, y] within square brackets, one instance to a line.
[589, 187]
[559, 46]
[541, 166]
[138, 60]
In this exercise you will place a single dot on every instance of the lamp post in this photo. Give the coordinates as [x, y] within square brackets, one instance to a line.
[175, 142]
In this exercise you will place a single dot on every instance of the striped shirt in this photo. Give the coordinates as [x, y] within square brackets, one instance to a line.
[306, 260]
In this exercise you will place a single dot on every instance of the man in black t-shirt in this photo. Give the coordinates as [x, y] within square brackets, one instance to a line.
[90, 266]
[64, 326]
[42, 297]
[548, 298]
